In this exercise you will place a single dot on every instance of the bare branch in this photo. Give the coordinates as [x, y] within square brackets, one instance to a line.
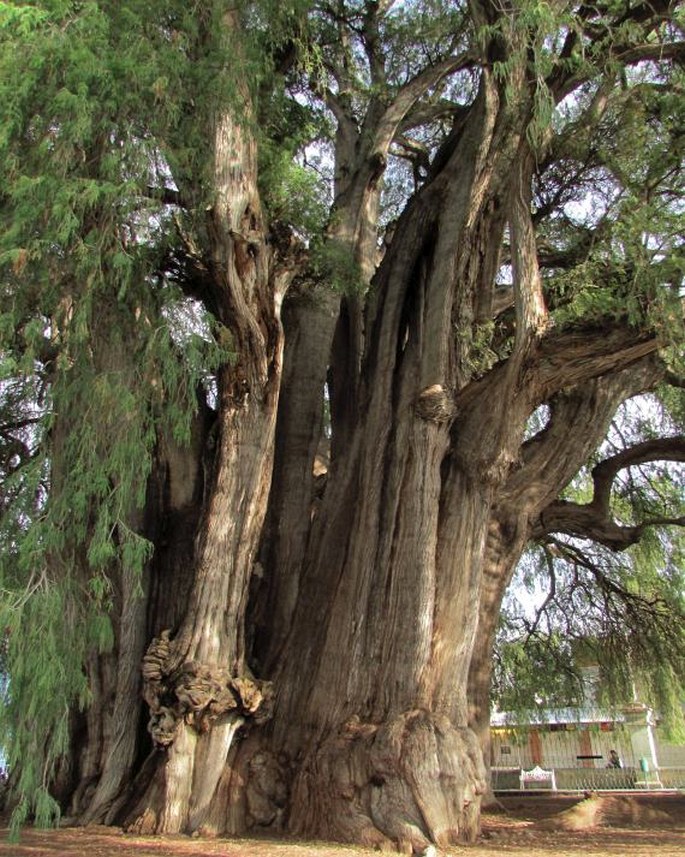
[425, 113]
[15, 425]
[584, 521]
[551, 595]
[660, 449]
[594, 520]
[649, 15]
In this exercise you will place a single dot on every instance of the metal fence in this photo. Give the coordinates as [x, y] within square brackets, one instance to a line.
[593, 779]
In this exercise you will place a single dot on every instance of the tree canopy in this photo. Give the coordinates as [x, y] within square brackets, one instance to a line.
[314, 316]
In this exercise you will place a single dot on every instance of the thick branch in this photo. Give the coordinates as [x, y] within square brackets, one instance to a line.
[427, 113]
[411, 92]
[346, 125]
[531, 313]
[585, 521]
[594, 520]
[603, 49]
[573, 357]
[372, 44]
[661, 449]
[656, 52]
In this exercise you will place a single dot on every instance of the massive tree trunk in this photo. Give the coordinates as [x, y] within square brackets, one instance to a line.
[370, 739]
[324, 330]
[93, 779]
[196, 681]
[375, 602]
[143, 606]
[393, 568]
[379, 738]
[319, 323]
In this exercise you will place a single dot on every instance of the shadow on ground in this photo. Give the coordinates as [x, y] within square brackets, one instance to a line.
[536, 826]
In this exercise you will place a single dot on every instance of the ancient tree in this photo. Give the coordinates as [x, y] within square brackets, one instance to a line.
[282, 293]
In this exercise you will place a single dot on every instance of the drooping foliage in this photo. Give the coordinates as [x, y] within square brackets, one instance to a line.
[115, 325]
[615, 601]
[104, 118]
[607, 204]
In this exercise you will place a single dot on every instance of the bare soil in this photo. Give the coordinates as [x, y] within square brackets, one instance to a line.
[531, 825]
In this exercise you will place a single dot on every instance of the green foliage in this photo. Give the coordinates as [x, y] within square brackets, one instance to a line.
[108, 116]
[535, 674]
[94, 365]
[333, 262]
[665, 686]
[575, 603]
[624, 615]
[482, 349]
[44, 644]
[292, 192]
[619, 181]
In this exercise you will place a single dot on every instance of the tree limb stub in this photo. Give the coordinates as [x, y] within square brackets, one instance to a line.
[435, 404]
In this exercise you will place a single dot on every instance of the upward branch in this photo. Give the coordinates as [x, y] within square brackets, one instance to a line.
[595, 520]
[531, 313]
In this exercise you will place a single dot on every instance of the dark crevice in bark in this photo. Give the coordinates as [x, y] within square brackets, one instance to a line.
[308, 322]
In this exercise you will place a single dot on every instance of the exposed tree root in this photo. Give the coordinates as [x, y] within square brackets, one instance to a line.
[582, 816]
[609, 810]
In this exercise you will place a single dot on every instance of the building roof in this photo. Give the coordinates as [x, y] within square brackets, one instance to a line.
[551, 716]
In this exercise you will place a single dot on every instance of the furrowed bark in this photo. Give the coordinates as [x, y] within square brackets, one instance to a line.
[394, 561]
[324, 343]
[197, 684]
[373, 604]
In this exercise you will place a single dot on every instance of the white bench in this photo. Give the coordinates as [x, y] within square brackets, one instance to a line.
[536, 777]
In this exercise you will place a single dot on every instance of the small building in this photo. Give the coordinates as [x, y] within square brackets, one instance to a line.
[576, 744]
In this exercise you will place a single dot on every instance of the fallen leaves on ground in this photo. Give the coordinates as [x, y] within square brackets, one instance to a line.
[530, 825]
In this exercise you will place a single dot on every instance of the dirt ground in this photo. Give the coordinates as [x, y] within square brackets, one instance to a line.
[639, 826]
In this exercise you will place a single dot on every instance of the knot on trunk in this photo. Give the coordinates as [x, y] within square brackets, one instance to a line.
[156, 657]
[162, 726]
[197, 693]
[435, 404]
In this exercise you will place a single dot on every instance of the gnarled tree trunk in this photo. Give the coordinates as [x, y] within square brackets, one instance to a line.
[379, 738]
[196, 680]
[578, 422]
